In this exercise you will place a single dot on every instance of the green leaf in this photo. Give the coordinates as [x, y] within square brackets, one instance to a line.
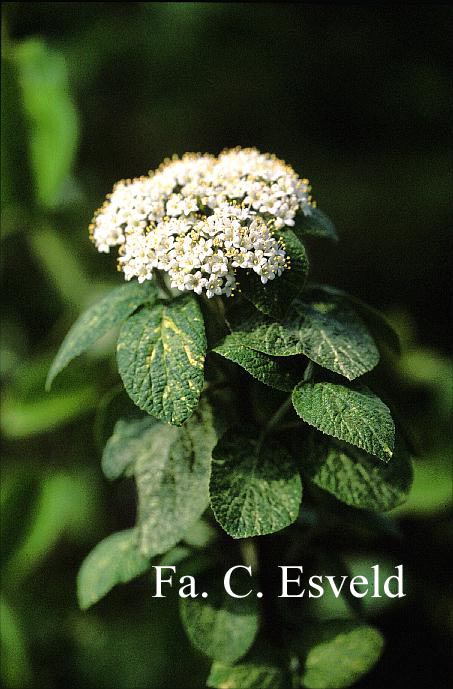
[172, 470]
[268, 370]
[161, 354]
[357, 478]
[200, 534]
[358, 417]
[381, 329]
[245, 675]
[338, 654]
[115, 560]
[19, 489]
[221, 627]
[255, 489]
[61, 265]
[126, 446]
[15, 665]
[316, 224]
[275, 297]
[431, 492]
[52, 117]
[327, 332]
[91, 325]
[174, 556]
[66, 506]
[23, 418]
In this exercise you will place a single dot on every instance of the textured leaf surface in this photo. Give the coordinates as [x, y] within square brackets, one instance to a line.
[339, 654]
[115, 560]
[268, 370]
[356, 416]
[246, 675]
[161, 354]
[254, 491]
[220, 626]
[275, 297]
[317, 224]
[114, 308]
[355, 477]
[379, 326]
[128, 443]
[172, 472]
[326, 331]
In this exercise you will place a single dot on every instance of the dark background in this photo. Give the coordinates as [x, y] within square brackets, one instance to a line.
[358, 99]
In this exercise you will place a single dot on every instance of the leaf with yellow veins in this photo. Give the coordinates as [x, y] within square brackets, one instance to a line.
[161, 353]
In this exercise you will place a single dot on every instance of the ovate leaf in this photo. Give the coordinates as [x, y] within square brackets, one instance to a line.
[326, 331]
[172, 470]
[380, 327]
[315, 224]
[126, 445]
[337, 654]
[114, 308]
[255, 489]
[275, 297]
[355, 477]
[115, 560]
[220, 626]
[268, 370]
[358, 417]
[161, 354]
[245, 675]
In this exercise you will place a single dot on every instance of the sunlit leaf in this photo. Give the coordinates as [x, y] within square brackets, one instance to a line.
[358, 417]
[326, 331]
[161, 352]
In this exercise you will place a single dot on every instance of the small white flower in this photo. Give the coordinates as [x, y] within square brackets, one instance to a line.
[201, 218]
[195, 282]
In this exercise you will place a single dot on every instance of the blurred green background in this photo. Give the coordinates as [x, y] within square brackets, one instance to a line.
[358, 100]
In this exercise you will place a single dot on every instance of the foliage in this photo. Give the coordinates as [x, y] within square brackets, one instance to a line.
[125, 76]
[308, 342]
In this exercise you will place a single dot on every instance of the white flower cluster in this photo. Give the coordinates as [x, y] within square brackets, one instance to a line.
[200, 218]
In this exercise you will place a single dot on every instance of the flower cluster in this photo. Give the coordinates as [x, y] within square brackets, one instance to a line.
[200, 218]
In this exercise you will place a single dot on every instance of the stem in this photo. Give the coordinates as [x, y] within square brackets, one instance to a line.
[249, 554]
[162, 285]
[273, 421]
[308, 374]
